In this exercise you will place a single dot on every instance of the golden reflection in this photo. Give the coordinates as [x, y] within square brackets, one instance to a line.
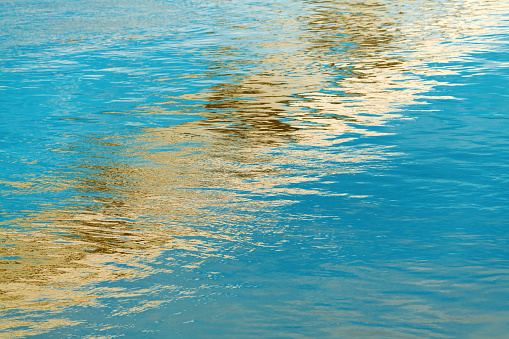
[57, 259]
[182, 194]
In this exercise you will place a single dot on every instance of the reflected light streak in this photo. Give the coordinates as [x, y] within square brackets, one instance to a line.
[286, 110]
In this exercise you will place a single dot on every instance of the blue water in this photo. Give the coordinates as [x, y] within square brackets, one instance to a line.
[244, 169]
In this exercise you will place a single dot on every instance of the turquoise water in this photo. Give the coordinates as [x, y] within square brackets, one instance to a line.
[245, 169]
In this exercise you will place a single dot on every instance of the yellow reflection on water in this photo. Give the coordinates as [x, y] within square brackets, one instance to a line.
[338, 73]
[57, 260]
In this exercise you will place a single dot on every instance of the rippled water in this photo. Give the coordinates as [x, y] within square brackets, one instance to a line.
[244, 169]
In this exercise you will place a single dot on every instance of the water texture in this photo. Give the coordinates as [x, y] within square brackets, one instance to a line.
[246, 169]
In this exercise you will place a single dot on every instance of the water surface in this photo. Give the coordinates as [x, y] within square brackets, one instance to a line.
[290, 169]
